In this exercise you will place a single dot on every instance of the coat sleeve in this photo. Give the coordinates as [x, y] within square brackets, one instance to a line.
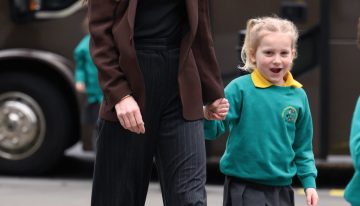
[104, 52]
[204, 54]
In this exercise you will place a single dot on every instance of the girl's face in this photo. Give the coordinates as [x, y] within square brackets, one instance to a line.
[274, 56]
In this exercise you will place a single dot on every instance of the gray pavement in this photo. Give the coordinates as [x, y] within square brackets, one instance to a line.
[71, 186]
[17, 191]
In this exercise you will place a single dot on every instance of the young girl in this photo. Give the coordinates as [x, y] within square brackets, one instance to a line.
[269, 121]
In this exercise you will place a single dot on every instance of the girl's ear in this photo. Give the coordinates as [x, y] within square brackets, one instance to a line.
[252, 56]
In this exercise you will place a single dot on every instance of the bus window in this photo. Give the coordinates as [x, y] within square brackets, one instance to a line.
[27, 10]
[53, 5]
[21, 6]
[21, 10]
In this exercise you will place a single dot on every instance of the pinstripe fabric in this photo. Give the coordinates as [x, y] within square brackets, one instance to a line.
[124, 160]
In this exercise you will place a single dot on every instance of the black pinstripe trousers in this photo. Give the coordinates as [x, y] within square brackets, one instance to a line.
[124, 159]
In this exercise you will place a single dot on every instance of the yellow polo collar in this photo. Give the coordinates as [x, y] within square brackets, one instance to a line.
[261, 82]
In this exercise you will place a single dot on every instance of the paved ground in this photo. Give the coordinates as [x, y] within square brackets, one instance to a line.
[70, 185]
[15, 191]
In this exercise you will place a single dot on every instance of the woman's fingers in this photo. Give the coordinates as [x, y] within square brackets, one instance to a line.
[129, 115]
[140, 123]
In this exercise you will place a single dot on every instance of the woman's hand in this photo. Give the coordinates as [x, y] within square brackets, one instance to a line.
[129, 115]
[217, 110]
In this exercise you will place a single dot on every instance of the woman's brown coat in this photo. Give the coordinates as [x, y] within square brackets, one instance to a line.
[111, 25]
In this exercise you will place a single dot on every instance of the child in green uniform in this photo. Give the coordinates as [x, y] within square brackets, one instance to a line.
[269, 122]
[352, 190]
[86, 76]
[87, 83]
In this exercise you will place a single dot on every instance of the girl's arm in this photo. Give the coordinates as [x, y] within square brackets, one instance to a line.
[304, 156]
[215, 128]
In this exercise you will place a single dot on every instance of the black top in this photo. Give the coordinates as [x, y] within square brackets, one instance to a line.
[160, 19]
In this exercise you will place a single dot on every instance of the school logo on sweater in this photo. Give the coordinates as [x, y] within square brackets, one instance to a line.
[289, 114]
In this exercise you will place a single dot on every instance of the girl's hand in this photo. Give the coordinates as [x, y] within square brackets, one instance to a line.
[312, 197]
[80, 87]
[217, 110]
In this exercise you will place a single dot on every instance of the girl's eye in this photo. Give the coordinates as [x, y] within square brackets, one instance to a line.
[268, 53]
[285, 53]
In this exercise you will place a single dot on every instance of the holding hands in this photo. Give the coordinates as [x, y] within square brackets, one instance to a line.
[129, 115]
[217, 110]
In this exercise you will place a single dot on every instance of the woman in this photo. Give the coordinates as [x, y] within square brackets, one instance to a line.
[157, 68]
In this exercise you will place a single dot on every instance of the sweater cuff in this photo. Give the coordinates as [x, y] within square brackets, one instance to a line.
[308, 182]
[210, 129]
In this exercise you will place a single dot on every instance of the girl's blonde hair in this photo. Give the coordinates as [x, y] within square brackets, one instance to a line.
[257, 28]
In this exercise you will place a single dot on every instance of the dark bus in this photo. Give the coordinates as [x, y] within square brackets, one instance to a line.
[40, 109]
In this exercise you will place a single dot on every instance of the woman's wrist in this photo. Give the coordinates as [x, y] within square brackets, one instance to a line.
[124, 97]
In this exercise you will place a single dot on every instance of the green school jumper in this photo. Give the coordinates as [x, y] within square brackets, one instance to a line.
[352, 190]
[270, 132]
[86, 71]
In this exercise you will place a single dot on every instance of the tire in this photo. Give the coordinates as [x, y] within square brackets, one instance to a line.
[35, 122]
